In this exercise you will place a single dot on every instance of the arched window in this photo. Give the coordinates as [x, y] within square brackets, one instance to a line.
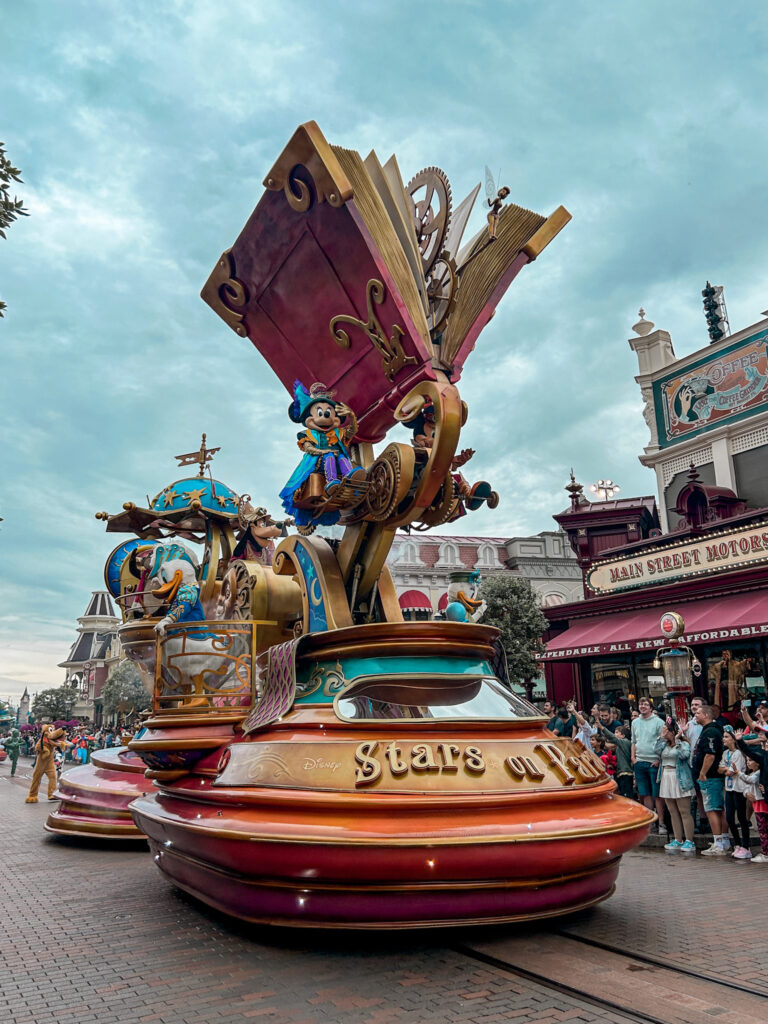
[486, 555]
[449, 553]
[408, 553]
[551, 599]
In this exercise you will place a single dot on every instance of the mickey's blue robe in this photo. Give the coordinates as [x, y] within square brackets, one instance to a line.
[328, 442]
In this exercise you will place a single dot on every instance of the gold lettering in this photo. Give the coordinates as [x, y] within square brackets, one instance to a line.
[583, 767]
[523, 767]
[396, 766]
[515, 766]
[370, 767]
[531, 770]
[554, 757]
[448, 753]
[473, 760]
[423, 759]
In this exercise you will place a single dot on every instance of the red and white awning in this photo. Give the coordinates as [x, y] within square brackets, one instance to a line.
[442, 604]
[415, 601]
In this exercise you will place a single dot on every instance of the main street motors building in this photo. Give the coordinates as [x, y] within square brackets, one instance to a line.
[702, 552]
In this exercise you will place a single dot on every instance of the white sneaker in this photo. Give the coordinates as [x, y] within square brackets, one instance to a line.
[715, 850]
[760, 858]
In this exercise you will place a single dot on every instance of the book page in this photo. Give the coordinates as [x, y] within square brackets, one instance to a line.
[404, 231]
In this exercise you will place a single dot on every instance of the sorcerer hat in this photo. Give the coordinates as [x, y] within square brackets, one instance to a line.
[303, 400]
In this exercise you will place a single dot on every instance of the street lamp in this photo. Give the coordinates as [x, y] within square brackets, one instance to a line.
[604, 489]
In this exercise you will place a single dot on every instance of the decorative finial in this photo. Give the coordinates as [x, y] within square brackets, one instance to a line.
[202, 457]
[643, 326]
[575, 490]
[693, 474]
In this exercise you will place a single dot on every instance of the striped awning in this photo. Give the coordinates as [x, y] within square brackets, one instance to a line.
[415, 601]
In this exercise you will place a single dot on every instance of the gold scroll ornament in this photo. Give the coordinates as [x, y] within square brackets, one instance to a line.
[412, 765]
[393, 357]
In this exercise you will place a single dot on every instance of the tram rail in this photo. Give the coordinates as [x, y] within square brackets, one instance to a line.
[658, 962]
[626, 1016]
[666, 993]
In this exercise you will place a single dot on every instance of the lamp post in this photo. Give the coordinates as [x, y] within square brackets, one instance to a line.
[604, 489]
[678, 662]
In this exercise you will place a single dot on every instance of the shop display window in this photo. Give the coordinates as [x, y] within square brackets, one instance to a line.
[650, 681]
[611, 680]
[733, 674]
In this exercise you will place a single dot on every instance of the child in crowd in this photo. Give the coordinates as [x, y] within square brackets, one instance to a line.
[733, 765]
[676, 784]
[756, 780]
[607, 754]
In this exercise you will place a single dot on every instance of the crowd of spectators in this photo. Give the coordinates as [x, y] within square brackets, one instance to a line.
[703, 772]
[76, 746]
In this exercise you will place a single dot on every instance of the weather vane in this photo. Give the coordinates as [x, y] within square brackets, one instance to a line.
[202, 457]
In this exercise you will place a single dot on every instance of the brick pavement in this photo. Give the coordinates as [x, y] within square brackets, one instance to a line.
[704, 914]
[100, 935]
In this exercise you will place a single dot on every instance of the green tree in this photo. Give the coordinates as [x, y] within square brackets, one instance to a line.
[124, 691]
[513, 607]
[56, 703]
[10, 209]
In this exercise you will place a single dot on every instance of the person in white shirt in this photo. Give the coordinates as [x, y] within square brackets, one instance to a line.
[583, 731]
[733, 765]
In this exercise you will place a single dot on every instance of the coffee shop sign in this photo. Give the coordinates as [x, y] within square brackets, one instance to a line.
[718, 552]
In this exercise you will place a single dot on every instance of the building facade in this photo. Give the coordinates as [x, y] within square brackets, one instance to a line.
[709, 409]
[701, 553]
[421, 567]
[93, 655]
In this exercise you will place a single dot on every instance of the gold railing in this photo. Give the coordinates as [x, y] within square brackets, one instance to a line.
[205, 667]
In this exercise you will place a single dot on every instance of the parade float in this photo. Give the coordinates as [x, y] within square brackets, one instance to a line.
[316, 760]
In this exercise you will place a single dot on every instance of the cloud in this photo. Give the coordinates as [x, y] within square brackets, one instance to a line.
[144, 131]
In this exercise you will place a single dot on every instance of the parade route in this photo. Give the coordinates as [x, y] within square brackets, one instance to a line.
[94, 933]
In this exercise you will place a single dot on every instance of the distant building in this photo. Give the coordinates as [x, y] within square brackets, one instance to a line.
[421, 567]
[24, 707]
[94, 654]
[701, 554]
[708, 409]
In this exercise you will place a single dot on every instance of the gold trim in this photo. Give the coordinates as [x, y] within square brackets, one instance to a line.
[65, 782]
[96, 830]
[393, 357]
[226, 294]
[309, 148]
[395, 841]
[320, 554]
[551, 227]
[192, 744]
[73, 807]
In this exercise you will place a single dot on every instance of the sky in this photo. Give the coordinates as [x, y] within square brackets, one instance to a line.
[143, 132]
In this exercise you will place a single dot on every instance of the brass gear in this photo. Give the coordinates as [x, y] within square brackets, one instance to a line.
[430, 194]
[442, 507]
[381, 496]
[442, 289]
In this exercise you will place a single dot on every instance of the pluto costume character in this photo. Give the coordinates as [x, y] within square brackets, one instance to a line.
[45, 764]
